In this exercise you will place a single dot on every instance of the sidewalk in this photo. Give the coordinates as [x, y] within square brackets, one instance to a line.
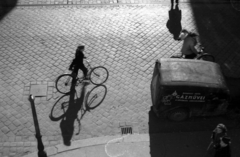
[185, 144]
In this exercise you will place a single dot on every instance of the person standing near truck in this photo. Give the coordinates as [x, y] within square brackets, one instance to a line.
[190, 43]
[219, 132]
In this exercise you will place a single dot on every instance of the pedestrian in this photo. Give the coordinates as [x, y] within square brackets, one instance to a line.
[223, 149]
[77, 62]
[190, 44]
[219, 132]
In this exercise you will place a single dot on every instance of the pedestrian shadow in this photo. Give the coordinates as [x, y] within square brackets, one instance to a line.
[174, 22]
[71, 107]
[6, 6]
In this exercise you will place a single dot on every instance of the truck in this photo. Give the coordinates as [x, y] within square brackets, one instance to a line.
[182, 88]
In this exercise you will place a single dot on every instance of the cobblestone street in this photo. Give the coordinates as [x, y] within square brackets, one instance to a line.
[38, 44]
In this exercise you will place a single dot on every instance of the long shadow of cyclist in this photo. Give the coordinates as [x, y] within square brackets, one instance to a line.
[75, 105]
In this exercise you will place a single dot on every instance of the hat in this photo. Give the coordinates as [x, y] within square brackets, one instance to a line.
[226, 139]
[80, 47]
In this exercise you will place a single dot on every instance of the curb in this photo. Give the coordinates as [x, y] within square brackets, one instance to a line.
[60, 148]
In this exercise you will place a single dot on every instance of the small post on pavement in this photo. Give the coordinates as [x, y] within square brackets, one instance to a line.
[41, 152]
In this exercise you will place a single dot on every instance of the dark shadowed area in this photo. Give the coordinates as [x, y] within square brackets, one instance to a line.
[218, 27]
[220, 34]
[6, 6]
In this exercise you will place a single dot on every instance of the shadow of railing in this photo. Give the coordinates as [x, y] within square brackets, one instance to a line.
[6, 6]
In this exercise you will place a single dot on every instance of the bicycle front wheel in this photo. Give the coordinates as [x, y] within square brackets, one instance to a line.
[59, 108]
[63, 83]
[96, 96]
[98, 75]
[207, 57]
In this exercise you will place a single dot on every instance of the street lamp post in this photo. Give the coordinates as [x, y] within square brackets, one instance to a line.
[41, 152]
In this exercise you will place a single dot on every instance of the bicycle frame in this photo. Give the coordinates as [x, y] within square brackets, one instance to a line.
[90, 68]
[88, 64]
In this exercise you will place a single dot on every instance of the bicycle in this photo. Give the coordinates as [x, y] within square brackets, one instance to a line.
[201, 55]
[97, 76]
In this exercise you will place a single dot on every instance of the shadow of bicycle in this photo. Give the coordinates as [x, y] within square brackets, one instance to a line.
[73, 106]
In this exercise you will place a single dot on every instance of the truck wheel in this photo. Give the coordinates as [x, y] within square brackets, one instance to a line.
[178, 115]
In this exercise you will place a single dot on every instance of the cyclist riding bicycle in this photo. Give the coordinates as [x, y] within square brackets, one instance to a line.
[190, 43]
[77, 62]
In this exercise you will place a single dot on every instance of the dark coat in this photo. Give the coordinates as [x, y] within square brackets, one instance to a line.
[223, 152]
[77, 62]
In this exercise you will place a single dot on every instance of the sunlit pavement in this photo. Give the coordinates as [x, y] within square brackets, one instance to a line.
[37, 45]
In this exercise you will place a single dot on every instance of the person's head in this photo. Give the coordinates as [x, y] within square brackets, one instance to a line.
[221, 128]
[184, 33]
[224, 141]
[80, 49]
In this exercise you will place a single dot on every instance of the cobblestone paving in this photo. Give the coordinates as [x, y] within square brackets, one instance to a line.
[37, 45]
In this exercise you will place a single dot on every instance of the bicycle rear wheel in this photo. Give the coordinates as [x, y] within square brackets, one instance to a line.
[64, 83]
[207, 57]
[98, 75]
[59, 108]
[96, 96]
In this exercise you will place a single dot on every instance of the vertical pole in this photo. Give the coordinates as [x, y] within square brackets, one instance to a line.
[41, 152]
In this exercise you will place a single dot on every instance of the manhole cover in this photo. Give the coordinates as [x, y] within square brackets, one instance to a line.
[38, 90]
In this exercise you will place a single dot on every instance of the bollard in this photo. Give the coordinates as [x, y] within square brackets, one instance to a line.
[41, 152]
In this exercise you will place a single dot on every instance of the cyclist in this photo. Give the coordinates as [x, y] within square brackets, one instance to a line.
[189, 44]
[77, 62]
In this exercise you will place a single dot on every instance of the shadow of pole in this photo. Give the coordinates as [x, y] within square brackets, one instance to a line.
[6, 6]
